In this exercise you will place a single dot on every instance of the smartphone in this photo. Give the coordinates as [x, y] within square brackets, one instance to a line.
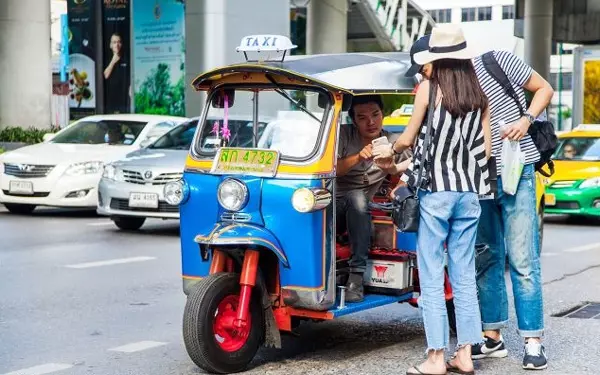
[380, 141]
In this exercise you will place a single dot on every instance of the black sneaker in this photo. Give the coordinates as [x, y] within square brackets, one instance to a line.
[354, 288]
[490, 348]
[535, 356]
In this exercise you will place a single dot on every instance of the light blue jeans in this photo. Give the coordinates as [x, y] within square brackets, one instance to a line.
[449, 217]
[509, 224]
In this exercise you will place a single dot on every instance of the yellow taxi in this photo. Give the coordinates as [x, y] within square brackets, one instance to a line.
[574, 189]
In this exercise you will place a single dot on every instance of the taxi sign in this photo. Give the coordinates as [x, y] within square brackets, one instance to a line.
[265, 43]
[588, 127]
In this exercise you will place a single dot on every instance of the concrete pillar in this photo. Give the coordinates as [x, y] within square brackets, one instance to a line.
[25, 63]
[538, 35]
[326, 26]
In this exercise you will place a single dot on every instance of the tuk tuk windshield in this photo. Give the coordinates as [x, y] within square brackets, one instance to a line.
[284, 122]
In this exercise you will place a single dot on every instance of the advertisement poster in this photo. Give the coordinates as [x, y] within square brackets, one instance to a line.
[591, 92]
[117, 61]
[159, 56]
[82, 57]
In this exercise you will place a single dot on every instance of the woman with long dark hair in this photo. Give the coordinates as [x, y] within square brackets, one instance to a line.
[455, 151]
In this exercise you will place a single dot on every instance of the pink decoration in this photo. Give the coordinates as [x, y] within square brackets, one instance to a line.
[225, 128]
[215, 129]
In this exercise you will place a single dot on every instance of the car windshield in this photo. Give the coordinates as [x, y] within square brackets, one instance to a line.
[578, 148]
[113, 132]
[179, 138]
[284, 122]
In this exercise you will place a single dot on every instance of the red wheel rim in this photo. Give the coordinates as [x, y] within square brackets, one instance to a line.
[229, 337]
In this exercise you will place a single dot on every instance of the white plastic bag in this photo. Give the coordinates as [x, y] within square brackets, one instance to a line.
[513, 161]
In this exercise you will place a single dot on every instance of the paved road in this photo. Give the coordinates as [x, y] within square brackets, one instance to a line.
[79, 297]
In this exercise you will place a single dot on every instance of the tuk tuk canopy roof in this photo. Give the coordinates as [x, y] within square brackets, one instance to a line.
[354, 73]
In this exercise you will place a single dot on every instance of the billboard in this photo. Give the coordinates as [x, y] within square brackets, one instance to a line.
[159, 57]
[116, 51]
[82, 58]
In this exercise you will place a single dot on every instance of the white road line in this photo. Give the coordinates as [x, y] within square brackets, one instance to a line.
[549, 254]
[580, 249]
[137, 346]
[41, 369]
[110, 262]
[101, 223]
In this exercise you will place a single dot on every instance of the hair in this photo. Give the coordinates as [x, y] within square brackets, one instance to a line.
[365, 99]
[460, 87]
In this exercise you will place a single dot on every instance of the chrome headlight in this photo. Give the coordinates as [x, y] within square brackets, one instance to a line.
[310, 199]
[176, 192]
[590, 183]
[110, 172]
[90, 167]
[232, 194]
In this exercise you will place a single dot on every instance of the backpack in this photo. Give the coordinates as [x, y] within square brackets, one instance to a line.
[542, 133]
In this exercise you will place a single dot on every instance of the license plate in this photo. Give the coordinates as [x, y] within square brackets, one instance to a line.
[21, 187]
[550, 200]
[143, 200]
[259, 162]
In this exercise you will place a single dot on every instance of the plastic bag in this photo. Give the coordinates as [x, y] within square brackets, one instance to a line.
[513, 161]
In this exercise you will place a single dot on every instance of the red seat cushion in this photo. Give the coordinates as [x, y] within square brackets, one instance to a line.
[342, 252]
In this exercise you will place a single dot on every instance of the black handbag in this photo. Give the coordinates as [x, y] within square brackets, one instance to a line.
[405, 213]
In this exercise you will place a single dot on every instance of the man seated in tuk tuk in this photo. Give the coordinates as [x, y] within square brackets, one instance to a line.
[359, 177]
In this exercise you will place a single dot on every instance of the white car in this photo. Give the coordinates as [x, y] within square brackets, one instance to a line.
[64, 170]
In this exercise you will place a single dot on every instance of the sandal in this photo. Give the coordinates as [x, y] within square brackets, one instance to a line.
[419, 372]
[456, 370]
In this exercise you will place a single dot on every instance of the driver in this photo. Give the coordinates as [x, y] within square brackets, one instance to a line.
[359, 177]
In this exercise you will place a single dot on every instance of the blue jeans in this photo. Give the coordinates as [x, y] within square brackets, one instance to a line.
[448, 217]
[510, 224]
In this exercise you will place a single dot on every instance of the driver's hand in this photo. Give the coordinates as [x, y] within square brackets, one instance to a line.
[366, 153]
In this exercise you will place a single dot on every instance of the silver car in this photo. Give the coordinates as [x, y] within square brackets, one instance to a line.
[131, 189]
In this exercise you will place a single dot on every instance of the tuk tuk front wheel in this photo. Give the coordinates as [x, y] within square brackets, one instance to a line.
[210, 338]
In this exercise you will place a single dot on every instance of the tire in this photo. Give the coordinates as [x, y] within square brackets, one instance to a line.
[19, 209]
[213, 295]
[451, 315]
[129, 223]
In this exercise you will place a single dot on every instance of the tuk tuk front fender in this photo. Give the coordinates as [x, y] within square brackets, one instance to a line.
[243, 234]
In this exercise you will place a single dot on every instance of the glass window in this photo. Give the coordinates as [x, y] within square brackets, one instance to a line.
[578, 148]
[468, 14]
[284, 124]
[484, 14]
[508, 12]
[567, 81]
[112, 132]
[441, 15]
[179, 138]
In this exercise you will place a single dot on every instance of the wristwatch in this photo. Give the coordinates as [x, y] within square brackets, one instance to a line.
[529, 117]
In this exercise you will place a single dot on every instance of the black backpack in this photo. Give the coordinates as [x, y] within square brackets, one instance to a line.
[542, 132]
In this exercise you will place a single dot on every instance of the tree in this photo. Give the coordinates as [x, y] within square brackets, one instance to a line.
[591, 93]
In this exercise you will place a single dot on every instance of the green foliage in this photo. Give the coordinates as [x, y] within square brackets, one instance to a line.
[158, 96]
[30, 136]
[393, 102]
[2, 150]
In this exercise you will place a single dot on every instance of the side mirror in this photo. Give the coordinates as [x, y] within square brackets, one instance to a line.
[48, 136]
[218, 98]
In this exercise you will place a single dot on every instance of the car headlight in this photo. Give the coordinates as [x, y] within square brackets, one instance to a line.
[110, 172]
[590, 183]
[232, 194]
[310, 199]
[90, 167]
[176, 192]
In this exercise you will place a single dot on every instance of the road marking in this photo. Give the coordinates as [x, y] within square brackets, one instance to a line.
[137, 346]
[550, 254]
[41, 369]
[580, 249]
[110, 262]
[100, 223]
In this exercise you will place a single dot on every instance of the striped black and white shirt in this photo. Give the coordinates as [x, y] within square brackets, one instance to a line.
[502, 106]
[456, 159]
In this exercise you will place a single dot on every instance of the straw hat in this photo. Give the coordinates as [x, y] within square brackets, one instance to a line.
[447, 42]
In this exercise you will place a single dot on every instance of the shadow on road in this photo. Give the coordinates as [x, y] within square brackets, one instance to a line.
[54, 212]
[572, 220]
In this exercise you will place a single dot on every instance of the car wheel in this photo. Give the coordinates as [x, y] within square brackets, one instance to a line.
[129, 223]
[20, 209]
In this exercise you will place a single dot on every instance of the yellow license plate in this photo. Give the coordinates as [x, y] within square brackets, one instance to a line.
[550, 200]
[259, 162]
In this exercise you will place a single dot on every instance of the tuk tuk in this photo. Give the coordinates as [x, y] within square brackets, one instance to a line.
[258, 243]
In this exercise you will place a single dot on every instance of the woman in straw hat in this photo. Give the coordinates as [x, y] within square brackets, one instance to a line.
[453, 146]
